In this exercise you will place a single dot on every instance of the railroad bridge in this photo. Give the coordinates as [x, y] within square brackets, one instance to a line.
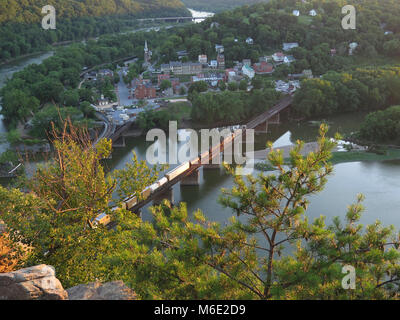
[188, 173]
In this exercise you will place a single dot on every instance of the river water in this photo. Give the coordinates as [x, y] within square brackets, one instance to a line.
[378, 181]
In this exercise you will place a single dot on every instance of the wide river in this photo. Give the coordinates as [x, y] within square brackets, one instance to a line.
[378, 181]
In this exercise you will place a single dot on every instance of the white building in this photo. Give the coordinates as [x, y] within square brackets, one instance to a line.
[289, 59]
[219, 48]
[203, 59]
[289, 45]
[248, 71]
[250, 41]
[214, 64]
[352, 46]
[296, 13]
[313, 13]
[278, 57]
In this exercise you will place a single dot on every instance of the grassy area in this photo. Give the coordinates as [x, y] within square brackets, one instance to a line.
[182, 110]
[353, 156]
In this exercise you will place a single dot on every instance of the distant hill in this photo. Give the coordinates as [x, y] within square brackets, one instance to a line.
[29, 11]
[218, 5]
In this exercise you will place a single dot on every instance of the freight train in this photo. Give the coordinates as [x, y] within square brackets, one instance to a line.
[203, 158]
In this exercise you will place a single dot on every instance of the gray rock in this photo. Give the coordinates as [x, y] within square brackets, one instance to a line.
[115, 290]
[34, 283]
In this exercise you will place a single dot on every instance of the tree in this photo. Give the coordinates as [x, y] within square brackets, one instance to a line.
[232, 86]
[165, 84]
[55, 218]
[243, 85]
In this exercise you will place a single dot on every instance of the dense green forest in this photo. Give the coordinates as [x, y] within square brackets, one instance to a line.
[268, 24]
[359, 90]
[21, 31]
[218, 5]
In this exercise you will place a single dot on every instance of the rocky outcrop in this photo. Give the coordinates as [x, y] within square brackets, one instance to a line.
[34, 283]
[115, 290]
[40, 283]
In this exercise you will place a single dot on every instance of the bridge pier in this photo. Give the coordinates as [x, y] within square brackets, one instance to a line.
[263, 128]
[192, 179]
[119, 143]
[166, 195]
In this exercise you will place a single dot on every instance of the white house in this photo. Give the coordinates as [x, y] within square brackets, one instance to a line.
[313, 13]
[248, 71]
[214, 64]
[289, 59]
[289, 46]
[203, 59]
[352, 46]
[278, 57]
[219, 48]
[249, 41]
[296, 13]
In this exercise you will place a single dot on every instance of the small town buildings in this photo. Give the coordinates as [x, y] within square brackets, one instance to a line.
[209, 78]
[289, 59]
[312, 13]
[305, 74]
[203, 59]
[103, 101]
[278, 57]
[219, 48]
[250, 41]
[289, 46]
[105, 73]
[175, 82]
[388, 32]
[162, 77]
[248, 71]
[178, 67]
[221, 61]
[264, 59]
[333, 52]
[263, 68]
[247, 62]
[230, 75]
[91, 76]
[214, 64]
[296, 13]
[182, 54]
[352, 46]
[145, 90]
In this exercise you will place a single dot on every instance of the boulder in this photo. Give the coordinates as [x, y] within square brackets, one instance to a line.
[115, 290]
[34, 283]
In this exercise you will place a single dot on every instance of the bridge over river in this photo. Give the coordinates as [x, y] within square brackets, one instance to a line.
[188, 172]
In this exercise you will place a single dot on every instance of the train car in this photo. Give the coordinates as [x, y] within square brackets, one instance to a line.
[162, 181]
[102, 218]
[154, 187]
[130, 202]
[177, 171]
[146, 193]
[195, 161]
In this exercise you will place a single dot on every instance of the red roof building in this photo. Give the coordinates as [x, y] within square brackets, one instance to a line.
[263, 68]
[162, 77]
[145, 90]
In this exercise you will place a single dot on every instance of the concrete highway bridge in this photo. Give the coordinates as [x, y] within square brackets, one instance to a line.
[175, 19]
[187, 174]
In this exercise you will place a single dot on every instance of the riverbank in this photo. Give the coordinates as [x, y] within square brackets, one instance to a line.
[337, 157]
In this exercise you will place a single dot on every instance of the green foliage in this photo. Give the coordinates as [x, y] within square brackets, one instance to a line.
[382, 126]
[231, 106]
[21, 31]
[361, 89]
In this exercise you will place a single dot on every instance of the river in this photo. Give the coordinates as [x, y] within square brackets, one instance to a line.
[378, 181]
